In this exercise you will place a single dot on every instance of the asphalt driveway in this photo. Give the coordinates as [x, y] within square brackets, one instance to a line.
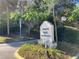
[7, 50]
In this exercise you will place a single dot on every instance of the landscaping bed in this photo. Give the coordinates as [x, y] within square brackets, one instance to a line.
[33, 51]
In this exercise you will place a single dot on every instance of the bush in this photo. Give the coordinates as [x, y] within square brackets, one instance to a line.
[68, 34]
[32, 51]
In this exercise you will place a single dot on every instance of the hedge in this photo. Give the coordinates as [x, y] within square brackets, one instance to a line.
[69, 34]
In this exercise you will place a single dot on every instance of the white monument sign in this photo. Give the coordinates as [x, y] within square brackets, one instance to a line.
[47, 33]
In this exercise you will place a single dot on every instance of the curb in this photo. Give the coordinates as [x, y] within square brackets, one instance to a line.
[17, 55]
[73, 28]
[74, 58]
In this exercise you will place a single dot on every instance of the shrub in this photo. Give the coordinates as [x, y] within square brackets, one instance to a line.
[71, 35]
[68, 34]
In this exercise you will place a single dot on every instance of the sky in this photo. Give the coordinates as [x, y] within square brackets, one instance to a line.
[77, 2]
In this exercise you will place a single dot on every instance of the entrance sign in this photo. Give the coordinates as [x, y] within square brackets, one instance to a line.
[47, 33]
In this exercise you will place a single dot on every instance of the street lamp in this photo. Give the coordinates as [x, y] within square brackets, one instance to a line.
[55, 23]
[63, 18]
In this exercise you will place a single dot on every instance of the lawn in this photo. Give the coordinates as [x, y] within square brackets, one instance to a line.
[4, 39]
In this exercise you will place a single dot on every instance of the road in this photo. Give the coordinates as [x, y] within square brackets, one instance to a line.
[7, 50]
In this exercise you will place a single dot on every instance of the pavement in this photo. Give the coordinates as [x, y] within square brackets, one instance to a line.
[7, 50]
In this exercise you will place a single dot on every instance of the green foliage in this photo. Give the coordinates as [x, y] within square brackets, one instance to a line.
[74, 14]
[38, 11]
[31, 47]
[41, 9]
[3, 39]
[34, 15]
[8, 39]
[14, 16]
[68, 11]
[42, 5]
[71, 11]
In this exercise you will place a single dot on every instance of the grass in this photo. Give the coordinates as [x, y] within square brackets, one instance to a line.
[3, 39]
[8, 39]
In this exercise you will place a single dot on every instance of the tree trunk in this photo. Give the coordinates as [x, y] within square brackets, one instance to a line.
[8, 30]
[29, 29]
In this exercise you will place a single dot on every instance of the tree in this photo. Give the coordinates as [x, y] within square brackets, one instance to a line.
[7, 6]
[74, 15]
[37, 12]
[40, 10]
[3, 24]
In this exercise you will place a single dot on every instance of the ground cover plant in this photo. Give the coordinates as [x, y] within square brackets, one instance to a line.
[32, 51]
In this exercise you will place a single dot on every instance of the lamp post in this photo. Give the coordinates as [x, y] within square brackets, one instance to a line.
[55, 26]
[63, 19]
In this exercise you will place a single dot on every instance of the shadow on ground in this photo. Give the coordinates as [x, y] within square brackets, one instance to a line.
[21, 42]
